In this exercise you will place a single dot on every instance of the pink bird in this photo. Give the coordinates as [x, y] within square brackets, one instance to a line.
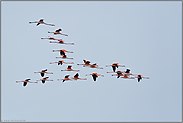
[66, 78]
[58, 31]
[41, 22]
[95, 75]
[50, 38]
[43, 72]
[45, 79]
[61, 62]
[64, 57]
[76, 77]
[25, 82]
[62, 51]
[60, 41]
[69, 69]
[115, 65]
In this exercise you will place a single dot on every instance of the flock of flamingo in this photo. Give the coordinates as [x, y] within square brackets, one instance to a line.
[120, 74]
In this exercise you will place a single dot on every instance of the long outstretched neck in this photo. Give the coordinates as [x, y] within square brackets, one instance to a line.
[32, 82]
[111, 72]
[122, 65]
[49, 72]
[49, 24]
[80, 64]
[69, 43]
[33, 22]
[53, 42]
[53, 62]
[20, 81]
[88, 74]
[69, 62]
[82, 78]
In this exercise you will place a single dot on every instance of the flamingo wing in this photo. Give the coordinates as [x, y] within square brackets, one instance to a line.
[67, 76]
[76, 75]
[42, 74]
[139, 78]
[25, 83]
[62, 52]
[43, 81]
[94, 77]
[60, 62]
[27, 79]
[114, 68]
[44, 70]
[127, 71]
[69, 67]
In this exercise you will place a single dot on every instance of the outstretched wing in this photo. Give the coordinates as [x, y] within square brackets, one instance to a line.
[114, 68]
[43, 81]
[62, 52]
[42, 74]
[69, 67]
[27, 79]
[94, 77]
[76, 75]
[25, 83]
[60, 62]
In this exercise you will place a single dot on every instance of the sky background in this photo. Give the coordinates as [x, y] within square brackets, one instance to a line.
[146, 37]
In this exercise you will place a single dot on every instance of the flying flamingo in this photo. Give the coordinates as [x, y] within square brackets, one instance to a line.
[43, 72]
[139, 77]
[69, 69]
[25, 82]
[86, 63]
[60, 41]
[58, 32]
[66, 78]
[64, 57]
[45, 79]
[95, 66]
[41, 22]
[61, 62]
[115, 65]
[62, 51]
[76, 77]
[120, 73]
[50, 38]
[95, 75]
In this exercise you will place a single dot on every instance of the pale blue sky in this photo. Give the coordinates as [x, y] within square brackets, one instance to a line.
[146, 37]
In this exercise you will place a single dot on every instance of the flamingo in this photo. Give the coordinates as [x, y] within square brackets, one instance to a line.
[41, 22]
[66, 78]
[76, 77]
[95, 66]
[50, 38]
[25, 81]
[115, 65]
[95, 75]
[64, 57]
[120, 73]
[45, 79]
[139, 77]
[60, 41]
[43, 72]
[69, 69]
[127, 77]
[62, 51]
[86, 63]
[61, 62]
[58, 32]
